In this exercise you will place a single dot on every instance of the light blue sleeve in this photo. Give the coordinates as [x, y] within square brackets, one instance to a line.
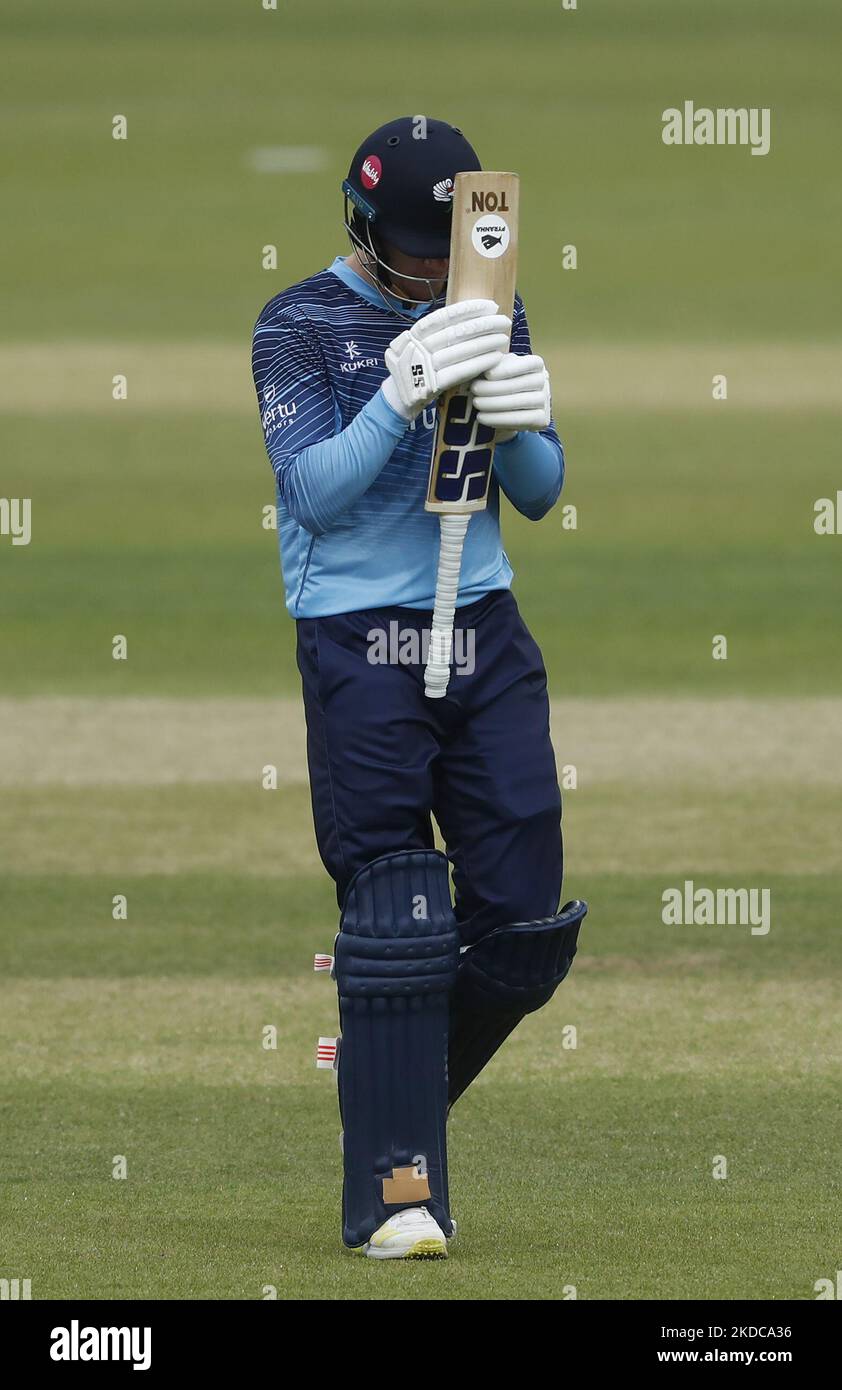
[326, 478]
[530, 470]
[319, 473]
[530, 467]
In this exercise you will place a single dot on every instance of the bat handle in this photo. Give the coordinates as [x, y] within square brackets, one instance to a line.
[437, 671]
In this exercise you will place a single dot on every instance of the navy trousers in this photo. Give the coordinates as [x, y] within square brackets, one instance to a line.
[383, 758]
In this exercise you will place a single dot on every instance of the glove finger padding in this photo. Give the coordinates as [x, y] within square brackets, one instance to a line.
[454, 334]
[452, 314]
[481, 346]
[518, 400]
[514, 365]
[489, 391]
[461, 372]
[515, 420]
[514, 395]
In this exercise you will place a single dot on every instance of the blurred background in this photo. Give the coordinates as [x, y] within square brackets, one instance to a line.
[144, 256]
[142, 777]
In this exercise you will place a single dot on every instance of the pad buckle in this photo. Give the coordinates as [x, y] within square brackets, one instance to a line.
[327, 1054]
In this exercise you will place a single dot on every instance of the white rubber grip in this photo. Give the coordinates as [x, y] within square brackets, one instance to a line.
[437, 670]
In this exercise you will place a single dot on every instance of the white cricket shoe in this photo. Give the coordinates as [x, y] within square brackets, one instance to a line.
[412, 1234]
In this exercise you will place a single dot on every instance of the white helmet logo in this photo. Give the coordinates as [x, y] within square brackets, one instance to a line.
[443, 191]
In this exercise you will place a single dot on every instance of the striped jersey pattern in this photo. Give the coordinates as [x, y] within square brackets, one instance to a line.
[318, 362]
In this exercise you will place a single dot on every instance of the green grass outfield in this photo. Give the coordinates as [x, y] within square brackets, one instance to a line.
[689, 525]
[591, 1167]
[160, 235]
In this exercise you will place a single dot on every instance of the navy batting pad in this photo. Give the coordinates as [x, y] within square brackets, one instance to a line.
[511, 972]
[396, 959]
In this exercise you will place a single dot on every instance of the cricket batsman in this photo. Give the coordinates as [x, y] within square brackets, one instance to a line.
[348, 366]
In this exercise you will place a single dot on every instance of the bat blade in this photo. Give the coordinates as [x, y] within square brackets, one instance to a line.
[483, 265]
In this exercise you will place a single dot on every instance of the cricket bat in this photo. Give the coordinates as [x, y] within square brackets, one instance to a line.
[483, 265]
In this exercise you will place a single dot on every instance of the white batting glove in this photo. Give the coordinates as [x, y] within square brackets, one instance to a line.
[446, 348]
[514, 395]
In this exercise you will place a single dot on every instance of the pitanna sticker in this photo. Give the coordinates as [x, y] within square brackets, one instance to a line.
[491, 236]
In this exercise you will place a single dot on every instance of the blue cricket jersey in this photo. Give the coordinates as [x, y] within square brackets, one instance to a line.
[351, 473]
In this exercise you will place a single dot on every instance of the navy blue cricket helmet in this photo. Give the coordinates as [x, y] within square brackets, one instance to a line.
[400, 184]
